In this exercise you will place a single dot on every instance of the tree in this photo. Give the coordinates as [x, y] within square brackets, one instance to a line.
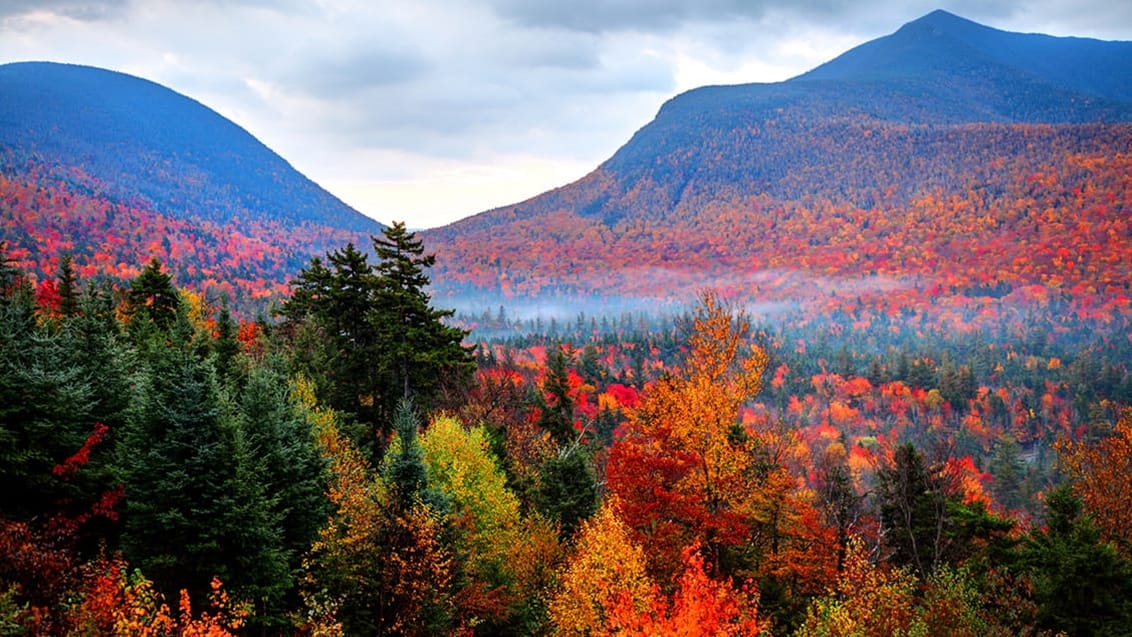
[341, 572]
[567, 489]
[283, 471]
[700, 605]
[1081, 583]
[913, 509]
[195, 506]
[152, 297]
[227, 347]
[1102, 476]
[68, 291]
[367, 334]
[687, 471]
[422, 355]
[415, 597]
[333, 340]
[606, 566]
[485, 518]
[48, 408]
[556, 409]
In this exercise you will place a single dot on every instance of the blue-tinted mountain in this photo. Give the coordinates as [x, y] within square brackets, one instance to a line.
[148, 144]
[933, 72]
[942, 108]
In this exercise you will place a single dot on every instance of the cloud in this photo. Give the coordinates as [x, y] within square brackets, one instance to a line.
[603, 16]
[84, 10]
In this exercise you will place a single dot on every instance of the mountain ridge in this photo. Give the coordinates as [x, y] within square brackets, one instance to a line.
[805, 176]
[149, 142]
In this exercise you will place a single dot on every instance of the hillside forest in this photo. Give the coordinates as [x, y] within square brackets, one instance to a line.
[360, 462]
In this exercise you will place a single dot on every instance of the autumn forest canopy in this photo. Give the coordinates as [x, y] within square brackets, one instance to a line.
[843, 355]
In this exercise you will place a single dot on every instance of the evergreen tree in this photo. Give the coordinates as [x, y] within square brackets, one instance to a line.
[68, 290]
[913, 510]
[46, 400]
[152, 297]
[367, 334]
[282, 470]
[567, 489]
[9, 273]
[556, 408]
[422, 355]
[416, 574]
[227, 347]
[1082, 585]
[195, 504]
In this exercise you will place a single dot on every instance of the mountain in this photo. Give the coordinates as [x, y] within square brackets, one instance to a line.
[150, 143]
[946, 156]
[116, 169]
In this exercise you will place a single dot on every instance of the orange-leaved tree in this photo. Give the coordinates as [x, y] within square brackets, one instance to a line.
[700, 605]
[687, 471]
[1102, 475]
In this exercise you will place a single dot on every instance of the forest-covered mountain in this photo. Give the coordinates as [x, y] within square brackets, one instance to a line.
[946, 154]
[152, 145]
[115, 169]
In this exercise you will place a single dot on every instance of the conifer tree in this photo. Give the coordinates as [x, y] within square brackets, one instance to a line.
[46, 398]
[422, 354]
[152, 297]
[1083, 586]
[68, 290]
[367, 334]
[196, 506]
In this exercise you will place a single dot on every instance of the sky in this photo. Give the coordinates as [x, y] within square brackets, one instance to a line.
[427, 111]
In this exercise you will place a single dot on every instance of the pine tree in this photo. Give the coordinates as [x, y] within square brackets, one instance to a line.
[422, 355]
[68, 290]
[152, 297]
[1082, 585]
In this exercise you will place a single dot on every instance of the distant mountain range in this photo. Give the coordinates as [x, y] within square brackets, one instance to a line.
[888, 162]
[946, 160]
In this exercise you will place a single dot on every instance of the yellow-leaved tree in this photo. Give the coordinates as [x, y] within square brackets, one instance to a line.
[605, 567]
[485, 514]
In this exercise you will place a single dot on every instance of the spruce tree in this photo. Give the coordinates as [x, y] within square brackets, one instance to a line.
[421, 354]
[1082, 585]
[68, 288]
[196, 504]
[152, 297]
[913, 511]
[368, 336]
[46, 400]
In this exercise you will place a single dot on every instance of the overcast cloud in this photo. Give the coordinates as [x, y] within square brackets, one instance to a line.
[431, 110]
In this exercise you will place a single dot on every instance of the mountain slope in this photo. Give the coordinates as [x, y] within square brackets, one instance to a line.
[894, 163]
[114, 170]
[151, 144]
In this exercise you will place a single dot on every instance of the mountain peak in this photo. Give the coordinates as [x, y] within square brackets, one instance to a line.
[943, 47]
[944, 19]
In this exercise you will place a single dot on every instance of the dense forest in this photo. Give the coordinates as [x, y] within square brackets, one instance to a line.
[361, 462]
